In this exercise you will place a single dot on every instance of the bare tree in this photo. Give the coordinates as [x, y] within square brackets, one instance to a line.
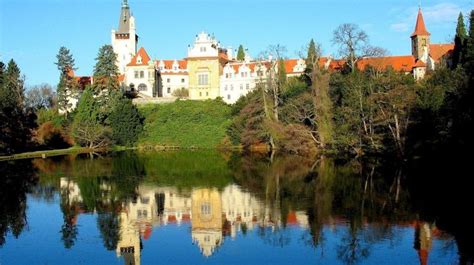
[41, 96]
[354, 44]
[274, 53]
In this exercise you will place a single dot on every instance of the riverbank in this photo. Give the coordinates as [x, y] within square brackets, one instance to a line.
[47, 153]
[185, 124]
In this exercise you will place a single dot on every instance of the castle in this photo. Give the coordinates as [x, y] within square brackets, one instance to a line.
[210, 70]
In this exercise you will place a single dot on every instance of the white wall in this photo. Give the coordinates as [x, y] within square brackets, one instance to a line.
[148, 78]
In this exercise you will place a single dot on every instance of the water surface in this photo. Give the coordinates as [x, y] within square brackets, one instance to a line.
[212, 208]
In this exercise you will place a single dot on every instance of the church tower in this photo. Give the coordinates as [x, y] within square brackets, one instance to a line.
[124, 39]
[420, 39]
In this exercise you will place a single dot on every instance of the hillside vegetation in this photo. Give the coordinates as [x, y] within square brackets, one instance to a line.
[185, 124]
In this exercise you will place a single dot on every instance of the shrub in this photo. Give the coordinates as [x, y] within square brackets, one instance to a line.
[181, 93]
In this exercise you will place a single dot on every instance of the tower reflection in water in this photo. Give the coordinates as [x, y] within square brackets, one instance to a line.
[214, 214]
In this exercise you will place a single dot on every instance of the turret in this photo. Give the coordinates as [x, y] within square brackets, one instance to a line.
[420, 39]
[125, 39]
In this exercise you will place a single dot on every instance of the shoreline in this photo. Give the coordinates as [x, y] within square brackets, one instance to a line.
[84, 150]
[46, 153]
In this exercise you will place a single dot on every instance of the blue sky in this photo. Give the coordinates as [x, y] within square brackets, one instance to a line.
[31, 31]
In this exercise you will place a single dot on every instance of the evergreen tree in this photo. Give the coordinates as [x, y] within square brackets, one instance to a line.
[86, 127]
[14, 131]
[124, 120]
[2, 73]
[67, 85]
[282, 78]
[106, 70]
[241, 53]
[468, 52]
[459, 41]
[12, 94]
[311, 57]
[105, 80]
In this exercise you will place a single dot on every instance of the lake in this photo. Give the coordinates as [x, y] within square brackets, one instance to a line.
[206, 207]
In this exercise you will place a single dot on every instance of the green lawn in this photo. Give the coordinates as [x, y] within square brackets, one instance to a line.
[187, 123]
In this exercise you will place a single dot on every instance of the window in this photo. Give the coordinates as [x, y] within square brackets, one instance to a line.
[207, 94]
[259, 73]
[423, 42]
[169, 90]
[144, 200]
[203, 79]
[228, 96]
[142, 87]
[231, 87]
[168, 80]
[182, 80]
[206, 208]
[241, 86]
[247, 86]
[200, 94]
[203, 49]
[136, 74]
[225, 87]
[142, 74]
[132, 87]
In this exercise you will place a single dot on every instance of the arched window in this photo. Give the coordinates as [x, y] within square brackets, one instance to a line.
[142, 87]
[132, 86]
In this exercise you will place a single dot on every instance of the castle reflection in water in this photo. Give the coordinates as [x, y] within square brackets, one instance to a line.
[213, 214]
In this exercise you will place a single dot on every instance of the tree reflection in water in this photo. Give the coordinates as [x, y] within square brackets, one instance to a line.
[364, 202]
[16, 180]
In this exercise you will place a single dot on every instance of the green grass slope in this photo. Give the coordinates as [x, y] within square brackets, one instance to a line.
[187, 123]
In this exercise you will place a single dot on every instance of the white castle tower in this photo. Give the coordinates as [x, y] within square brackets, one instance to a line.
[124, 39]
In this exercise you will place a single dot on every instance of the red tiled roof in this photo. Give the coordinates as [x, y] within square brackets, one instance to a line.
[437, 51]
[143, 54]
[290, 64]
[186, 217]
[183, 64]
[291, 218]
[121, 78]
[172, 218]
[147, 233]
[419, 63]
[397, 63]
[83, 81]
[420, 28]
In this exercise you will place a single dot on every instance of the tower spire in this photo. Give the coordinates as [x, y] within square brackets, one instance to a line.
[420, 28]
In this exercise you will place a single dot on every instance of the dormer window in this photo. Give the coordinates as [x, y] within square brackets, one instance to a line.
[139, 60]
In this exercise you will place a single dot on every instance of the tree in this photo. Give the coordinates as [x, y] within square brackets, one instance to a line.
[282, 78]
[67, 86]
[12, 94]
[39, 97]
[106, 71]
[323, 107]
[14, 125]
[313, 53]
[459, 41]
[2, 73]
[105, 79]
[86, 128]
[241, 53]
[469, 50]
[125, 121]
[354, 44]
